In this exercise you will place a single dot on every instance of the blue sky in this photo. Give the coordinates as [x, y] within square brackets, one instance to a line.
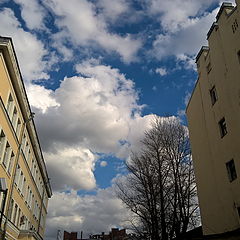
[96, 71]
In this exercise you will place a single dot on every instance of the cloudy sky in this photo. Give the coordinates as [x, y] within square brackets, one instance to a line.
[95, 72]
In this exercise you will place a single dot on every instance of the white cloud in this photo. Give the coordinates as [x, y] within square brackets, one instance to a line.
[44, 99]
[30, 51]
[186, 42]
[161, 71]
[91, 213]
[177, 14]
[103, 163]
[32, 13]
[102, 103]
[96, 111]
[113, 9]
[71, 168]
[81, 25]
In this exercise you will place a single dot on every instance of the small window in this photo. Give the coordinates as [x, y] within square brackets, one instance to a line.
[232, 174]
[213, 94]
[18, 127]
[10, 166]
[238, 54]
[6, 155]
[209, 67]
[238, 210]
[14, 118]
[10, 105]
[223, 127]
[234, 26]
[2, 143]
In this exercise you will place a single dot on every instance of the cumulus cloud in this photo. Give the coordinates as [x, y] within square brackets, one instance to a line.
[32, 13]
[44, 99]
[113, 9]
[161, 71]
[93, 112]
[81, 25]
[30, 50]
[99, 104]
[186, 42]
[177, 14]
[93, 214]
[72, 168]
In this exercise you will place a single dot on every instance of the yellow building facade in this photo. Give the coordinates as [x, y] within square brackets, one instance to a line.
[213, 115]
[22, 165]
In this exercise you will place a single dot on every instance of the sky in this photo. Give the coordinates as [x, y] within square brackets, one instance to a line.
[96, 72]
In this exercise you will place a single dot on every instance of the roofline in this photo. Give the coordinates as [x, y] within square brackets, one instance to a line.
[203, 48]
[7, 47]
[215, 24]
[224, 5]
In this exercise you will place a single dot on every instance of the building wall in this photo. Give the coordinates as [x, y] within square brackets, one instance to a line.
[219, 66]
[28, 192]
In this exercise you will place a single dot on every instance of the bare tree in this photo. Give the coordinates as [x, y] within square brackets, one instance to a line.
[160, 188]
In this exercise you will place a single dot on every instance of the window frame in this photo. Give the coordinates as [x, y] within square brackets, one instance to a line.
[213, 95]
[231, 170]
[222, 127]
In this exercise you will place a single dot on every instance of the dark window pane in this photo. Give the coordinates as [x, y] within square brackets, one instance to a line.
[232, 174]
[223, 127]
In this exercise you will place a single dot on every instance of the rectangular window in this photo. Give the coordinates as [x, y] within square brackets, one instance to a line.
[238, 210]
[6, 155]
[18, 127]
[17, 175]
[15, 213]
[238, 54]
[24, 142]
[3, 140]
[234, 26]
[222, 127]
[10, 105]
[232, 174]
[11, 209]
[10, 165]
[213, 94]
[14, 118]
[209, 67]
[20, 181]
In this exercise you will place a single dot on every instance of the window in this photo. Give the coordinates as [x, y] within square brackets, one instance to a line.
[213, 94]
[10, 165]
[2, 143]
[20, 182]
[232, 174]
[10, 105]
[238, 54]
[11, 209]
[234, 26]
[26, 150]
[6, 155]
[209, 67]
[18, 127]
[238, 210]
[24, 142]
[223, 127]
[15, 213]
[14, 118]
[17, 175]
[18, 217]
